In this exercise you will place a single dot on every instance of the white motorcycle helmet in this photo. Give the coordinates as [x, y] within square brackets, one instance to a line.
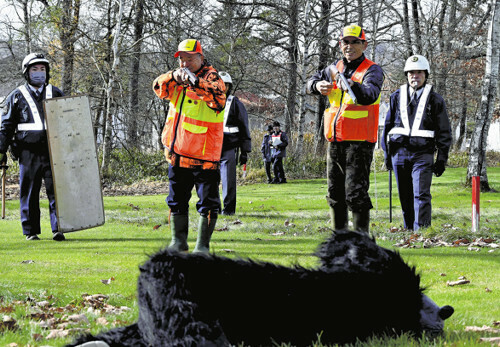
[417, 62]
[228, 81]
[35, 58]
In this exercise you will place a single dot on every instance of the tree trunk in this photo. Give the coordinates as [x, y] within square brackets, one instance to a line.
[324, 44]
[477, 156]
[70, 20]
[406, 29]
[292, 66]
[416, 26]
[133, 109]
[305, 63]
[463, 117]
[110, 91]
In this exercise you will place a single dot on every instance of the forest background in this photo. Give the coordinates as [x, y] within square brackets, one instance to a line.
[112, 50]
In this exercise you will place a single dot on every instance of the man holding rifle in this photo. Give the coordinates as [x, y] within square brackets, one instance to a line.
[192, 136]
[416, 126]
[23, 128]
[353, 88]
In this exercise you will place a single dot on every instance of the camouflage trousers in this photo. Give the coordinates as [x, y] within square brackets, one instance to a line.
[348, 174]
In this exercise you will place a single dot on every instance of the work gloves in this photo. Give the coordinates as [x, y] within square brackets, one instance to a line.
[3, 159]
[388, 162]
[438, 168]
[243, 158]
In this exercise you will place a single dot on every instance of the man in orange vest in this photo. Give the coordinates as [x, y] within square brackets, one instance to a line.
[350, 126]
[192, 137]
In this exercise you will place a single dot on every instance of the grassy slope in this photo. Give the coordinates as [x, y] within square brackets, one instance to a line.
[278, 223]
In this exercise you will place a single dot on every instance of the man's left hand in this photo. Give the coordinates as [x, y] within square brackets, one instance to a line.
[438, 168]
[243, 158]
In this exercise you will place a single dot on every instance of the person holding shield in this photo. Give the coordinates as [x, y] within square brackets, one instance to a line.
[23, 129]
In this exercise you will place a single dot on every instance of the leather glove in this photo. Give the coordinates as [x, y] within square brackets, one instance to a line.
[3, 159]
[438, 168]
[243, 158]
[388, 162]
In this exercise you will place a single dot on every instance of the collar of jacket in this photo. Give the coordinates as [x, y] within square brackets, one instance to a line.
[350, 67]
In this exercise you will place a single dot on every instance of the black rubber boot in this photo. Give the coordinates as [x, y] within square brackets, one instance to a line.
[361, 220]
[206, 226]
[338, 217]
[179, 225]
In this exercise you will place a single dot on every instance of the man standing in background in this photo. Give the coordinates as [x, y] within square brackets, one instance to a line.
[236, 139]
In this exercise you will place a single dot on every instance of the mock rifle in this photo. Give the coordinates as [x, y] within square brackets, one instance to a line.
[345, 82]
[191, 76]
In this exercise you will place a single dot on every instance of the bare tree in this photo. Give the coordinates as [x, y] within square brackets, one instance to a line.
[477, 157]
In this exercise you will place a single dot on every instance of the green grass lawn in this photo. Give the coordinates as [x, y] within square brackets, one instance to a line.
[283, 224]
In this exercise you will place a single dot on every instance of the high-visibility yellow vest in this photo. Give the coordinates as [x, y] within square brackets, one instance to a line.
[192, 129]
[347, 121]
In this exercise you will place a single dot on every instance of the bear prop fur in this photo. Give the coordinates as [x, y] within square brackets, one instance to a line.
[359, 290]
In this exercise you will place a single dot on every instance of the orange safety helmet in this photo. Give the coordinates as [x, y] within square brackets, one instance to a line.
[353, 30]
[190, 46]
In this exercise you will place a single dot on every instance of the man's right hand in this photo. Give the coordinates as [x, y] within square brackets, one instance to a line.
[324, 87]
[3, 159]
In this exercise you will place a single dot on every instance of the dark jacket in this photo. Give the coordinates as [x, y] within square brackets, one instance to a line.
[366, 93]
[265, 148]
[279, 151]
[237, 118]
[18, 111]
[435, 118]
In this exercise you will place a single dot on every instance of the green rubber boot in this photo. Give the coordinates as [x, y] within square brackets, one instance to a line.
[179, 225]
[361, 220]
[338, 217]
[206, 227]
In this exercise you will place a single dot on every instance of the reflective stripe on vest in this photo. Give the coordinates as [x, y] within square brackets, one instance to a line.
[403, 111]
[227, 129]
[37, 120]
[347, 121]
[193, 129]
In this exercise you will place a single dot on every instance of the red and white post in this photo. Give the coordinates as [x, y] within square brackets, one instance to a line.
[476, 189]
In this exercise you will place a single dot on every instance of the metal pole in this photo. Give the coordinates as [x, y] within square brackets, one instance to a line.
[390, 196]
[476, 189]
[4, 176]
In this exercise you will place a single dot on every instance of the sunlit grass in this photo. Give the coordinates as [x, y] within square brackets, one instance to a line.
[283, 224]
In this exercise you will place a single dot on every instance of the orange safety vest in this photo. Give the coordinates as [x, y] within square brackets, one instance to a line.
[193, 131]
[347, 121]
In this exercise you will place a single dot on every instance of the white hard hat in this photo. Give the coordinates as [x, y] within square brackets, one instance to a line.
[33, 58]
[226, 77]
[417, 62]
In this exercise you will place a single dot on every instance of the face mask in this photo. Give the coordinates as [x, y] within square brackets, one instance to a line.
[37, 78]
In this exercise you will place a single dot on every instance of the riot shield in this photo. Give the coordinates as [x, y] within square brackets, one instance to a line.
[73, 158]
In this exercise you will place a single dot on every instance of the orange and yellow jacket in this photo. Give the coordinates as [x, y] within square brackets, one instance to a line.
[346, 120]
[193, 132]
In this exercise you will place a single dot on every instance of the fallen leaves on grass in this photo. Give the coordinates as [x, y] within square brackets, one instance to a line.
[484, 328]
[8, 323]
[457, 283]
[27, 261]
[418, 241]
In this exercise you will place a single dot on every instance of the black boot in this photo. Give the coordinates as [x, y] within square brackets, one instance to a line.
[179, 224]
[361, 220]
[338, 216]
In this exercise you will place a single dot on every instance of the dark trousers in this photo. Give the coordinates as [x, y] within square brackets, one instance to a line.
[228, 178]
[33, 168]
[413, 173]
[348, 175]
[279, 173]
[267, 165]
[181, 183]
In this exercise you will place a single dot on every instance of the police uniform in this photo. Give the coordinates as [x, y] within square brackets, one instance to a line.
[415, 129]
[236, 135]
[279, 142]
[265, 149]
[23, 127]
[351, 129]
